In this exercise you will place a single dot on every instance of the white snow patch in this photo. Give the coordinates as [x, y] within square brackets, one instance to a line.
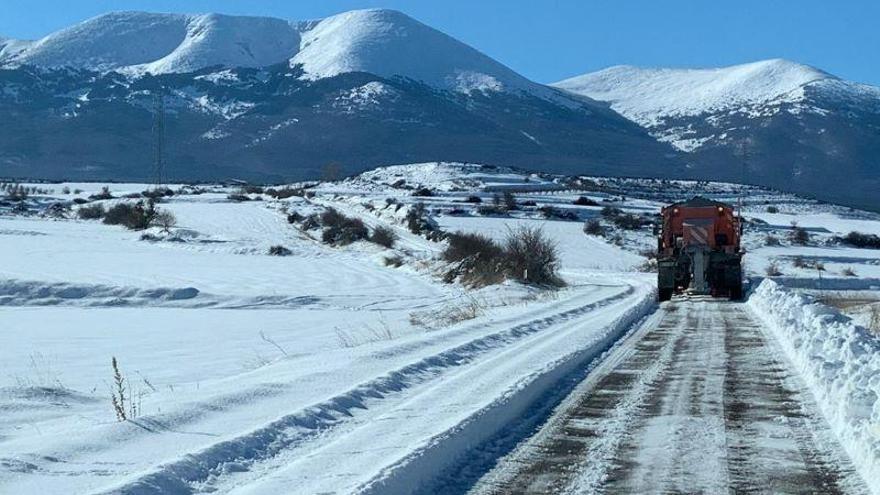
[648, 95]
[838, 360]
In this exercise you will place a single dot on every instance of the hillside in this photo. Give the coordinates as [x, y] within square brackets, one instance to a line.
[266, 99]
[794, 127]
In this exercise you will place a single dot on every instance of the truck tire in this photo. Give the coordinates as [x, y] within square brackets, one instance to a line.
[664, 294]
[736, 292]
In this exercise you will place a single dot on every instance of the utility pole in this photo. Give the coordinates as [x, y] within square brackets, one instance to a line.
[744, 152]
[158, 138]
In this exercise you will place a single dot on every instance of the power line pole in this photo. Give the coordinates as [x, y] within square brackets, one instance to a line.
[158, 139]
[744, 152]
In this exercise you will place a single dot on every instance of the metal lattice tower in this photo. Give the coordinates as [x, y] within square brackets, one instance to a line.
[158, 139]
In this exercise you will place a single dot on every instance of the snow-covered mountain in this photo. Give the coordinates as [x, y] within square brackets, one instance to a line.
[794, 126]
[386, 43]
[269, 98]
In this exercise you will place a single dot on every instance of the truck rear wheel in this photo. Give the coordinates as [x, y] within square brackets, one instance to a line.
[736, 292]
[664, 294]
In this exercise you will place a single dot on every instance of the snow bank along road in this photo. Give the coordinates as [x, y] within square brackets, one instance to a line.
[699, 400]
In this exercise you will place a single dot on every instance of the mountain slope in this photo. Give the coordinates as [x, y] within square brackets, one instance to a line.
[269, 99]
[646, 95]
[386, 43]
[775, 123]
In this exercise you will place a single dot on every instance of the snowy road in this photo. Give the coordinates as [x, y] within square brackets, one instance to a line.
[698, 401]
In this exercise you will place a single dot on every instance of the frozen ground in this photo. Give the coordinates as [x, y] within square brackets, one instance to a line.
[327, 369]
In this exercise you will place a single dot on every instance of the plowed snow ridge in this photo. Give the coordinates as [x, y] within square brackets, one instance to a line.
[264, 450]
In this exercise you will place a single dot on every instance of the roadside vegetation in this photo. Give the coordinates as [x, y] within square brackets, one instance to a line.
[526, 255]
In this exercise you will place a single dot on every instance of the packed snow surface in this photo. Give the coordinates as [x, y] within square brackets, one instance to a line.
[336, 368]
[839, 360]
[644, 95]
[382, 42]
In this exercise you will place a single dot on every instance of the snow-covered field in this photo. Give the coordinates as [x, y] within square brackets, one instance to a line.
[329, 369]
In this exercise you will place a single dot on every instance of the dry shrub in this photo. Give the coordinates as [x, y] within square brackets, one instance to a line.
[91, 212]
[384, 236]
[341, 230]
[104, 194]
[531, 257]
[279, 251]
[799, 236]
[479, 260]
[448, 315]
[773, 270]
[860, 240]
[848, 272]
[585, 201]
[526, 255]
[594, 227]
[135, 216]
[396, 261]
[165, 220]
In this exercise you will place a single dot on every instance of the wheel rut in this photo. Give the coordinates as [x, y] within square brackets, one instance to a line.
[700, 402]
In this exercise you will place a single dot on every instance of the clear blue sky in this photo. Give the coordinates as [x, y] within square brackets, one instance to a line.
[548, 40]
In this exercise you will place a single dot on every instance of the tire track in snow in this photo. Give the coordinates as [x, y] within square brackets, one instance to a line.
[188, 473]
[699, 404]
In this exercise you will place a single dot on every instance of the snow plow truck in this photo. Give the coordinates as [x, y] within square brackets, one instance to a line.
[698, 250]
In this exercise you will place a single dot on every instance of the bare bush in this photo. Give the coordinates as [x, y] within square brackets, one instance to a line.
[383, 236]
[772, 209]
[311, 222]
[135, 216]
[285, 192]
[526, 255]
[448, 315]
[423, 192]
[157, 193]
[531, 257]
[473, 199]
[610, 212]
[627, 221]
[848, 272]
[860, 240]
[351, 337]
[799, 262]
[126, 404]
[798, 235]
[104, 194]
[585, 201]
[550, 212]
[594, 227]
[91, 212]
[279, 251]
[396, 261]
[165, 220]
[509, 201]
[417, 220]
[479, 260]
[773, 270]
[772, 240]
[340, 229]
[294, 217]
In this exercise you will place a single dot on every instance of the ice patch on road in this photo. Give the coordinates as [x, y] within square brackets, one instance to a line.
[838, 360]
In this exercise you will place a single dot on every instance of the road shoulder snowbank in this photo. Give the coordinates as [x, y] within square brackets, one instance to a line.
[838, 360]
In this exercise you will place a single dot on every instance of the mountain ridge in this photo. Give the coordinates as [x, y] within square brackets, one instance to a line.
[384, 42]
